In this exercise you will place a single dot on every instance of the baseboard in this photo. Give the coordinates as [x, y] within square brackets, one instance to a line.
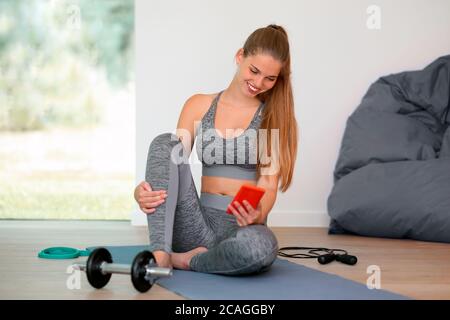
[298, 219]
[276, 219]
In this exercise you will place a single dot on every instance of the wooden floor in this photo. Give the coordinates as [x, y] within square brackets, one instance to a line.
[420, 270]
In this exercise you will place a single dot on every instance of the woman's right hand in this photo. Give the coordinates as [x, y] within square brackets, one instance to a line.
[148, 199]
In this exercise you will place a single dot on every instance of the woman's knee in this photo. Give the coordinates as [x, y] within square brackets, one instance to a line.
[166, 144]
[262, 243]
[164, 139]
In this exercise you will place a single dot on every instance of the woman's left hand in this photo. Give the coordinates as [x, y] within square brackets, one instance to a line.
[245, 214]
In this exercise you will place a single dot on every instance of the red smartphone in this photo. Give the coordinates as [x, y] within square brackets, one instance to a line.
[250, 193]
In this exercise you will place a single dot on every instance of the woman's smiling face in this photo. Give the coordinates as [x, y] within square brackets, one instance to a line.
[257, 73]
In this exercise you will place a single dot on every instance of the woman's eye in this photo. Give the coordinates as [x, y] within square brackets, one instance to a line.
[254, 71]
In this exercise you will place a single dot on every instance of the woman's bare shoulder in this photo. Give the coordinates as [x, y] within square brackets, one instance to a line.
[198, 104]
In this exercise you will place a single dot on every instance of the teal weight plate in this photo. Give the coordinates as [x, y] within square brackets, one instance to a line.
[62, 253]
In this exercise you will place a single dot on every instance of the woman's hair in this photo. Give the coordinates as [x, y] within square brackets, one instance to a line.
[279, 109]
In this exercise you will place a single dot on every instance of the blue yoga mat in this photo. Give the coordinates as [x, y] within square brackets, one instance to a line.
[285, 280]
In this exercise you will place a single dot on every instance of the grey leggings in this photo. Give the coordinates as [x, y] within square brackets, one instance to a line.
[184, 222]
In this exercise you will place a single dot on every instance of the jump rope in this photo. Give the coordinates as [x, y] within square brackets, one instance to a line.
[323, 255]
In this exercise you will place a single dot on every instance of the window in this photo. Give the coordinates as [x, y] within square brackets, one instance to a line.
[67, 125]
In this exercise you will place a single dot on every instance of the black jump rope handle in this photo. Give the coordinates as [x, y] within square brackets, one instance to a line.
[344, 258]
[326, 258]
[347, 259]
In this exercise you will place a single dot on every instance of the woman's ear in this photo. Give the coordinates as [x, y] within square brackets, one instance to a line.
[239, 56]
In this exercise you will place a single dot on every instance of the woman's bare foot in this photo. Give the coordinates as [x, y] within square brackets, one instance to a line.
[182, 260]
[163, 259]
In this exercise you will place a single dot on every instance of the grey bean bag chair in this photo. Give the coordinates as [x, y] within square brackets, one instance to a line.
[392, 176]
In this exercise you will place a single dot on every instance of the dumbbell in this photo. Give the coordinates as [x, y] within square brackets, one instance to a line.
[144, 271]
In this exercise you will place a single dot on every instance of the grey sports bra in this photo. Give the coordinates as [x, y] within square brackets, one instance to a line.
[231, 158]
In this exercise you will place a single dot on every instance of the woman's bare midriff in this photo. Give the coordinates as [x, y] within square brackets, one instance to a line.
[223, 186]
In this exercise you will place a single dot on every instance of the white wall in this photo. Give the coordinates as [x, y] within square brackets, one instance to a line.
[186, 47]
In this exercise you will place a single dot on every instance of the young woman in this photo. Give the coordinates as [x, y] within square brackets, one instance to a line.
[192, 233]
